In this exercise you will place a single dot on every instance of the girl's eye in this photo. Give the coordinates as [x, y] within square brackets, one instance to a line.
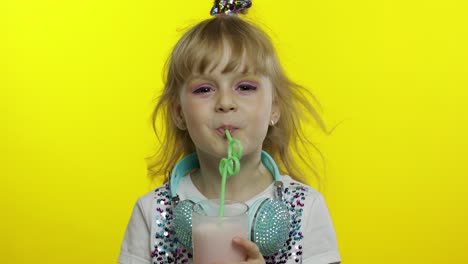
[202, 90]
[247, 87]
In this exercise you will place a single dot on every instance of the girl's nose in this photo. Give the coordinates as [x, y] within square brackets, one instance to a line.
[225, 103]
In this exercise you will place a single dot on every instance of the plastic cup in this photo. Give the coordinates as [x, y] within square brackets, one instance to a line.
[212, 235]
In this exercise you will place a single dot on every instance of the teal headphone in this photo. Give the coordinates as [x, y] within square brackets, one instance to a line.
[268, 218]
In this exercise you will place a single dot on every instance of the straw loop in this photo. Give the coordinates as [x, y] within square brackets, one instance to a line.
[229, 166]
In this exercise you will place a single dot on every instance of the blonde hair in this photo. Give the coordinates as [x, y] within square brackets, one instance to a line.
[250, 46]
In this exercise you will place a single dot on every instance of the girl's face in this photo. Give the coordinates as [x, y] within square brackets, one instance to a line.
[241, 102]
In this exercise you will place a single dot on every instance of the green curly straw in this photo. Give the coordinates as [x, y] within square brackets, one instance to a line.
[229, 166]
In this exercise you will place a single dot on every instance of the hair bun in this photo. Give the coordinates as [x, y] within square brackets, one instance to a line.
[230, 7]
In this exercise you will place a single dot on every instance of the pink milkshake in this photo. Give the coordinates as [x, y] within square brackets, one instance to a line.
[212, 235]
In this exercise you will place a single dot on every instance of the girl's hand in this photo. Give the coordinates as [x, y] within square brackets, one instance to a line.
[253, 253]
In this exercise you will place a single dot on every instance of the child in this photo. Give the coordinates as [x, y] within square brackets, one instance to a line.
[223, 74]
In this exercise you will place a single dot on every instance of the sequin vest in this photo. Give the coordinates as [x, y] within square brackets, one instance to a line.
[167, 249]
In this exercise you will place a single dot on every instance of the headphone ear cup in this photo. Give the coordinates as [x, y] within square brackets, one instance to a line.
[183, 222]
[269, 225]
[253, 214]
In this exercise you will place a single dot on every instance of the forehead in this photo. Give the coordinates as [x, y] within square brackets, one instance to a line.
[227, 58]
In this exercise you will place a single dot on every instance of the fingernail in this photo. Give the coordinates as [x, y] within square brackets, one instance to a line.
[236, 239]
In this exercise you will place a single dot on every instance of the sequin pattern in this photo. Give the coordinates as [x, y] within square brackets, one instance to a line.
[229, 7]
[294, 195]
[167, 249]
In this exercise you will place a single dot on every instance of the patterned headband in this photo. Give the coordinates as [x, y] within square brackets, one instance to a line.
[229, 7]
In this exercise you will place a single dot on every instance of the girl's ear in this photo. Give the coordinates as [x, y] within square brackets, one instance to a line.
[178, 116]
[275, 112]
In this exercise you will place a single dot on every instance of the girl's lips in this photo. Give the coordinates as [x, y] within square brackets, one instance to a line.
[221, 131]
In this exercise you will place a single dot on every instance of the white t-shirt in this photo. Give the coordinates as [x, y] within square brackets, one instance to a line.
[315, 235]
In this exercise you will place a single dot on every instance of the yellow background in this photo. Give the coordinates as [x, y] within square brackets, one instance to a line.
[78, 82]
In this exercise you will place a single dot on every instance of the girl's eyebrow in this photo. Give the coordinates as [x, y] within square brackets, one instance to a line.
[235, 75]
[198, 76]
